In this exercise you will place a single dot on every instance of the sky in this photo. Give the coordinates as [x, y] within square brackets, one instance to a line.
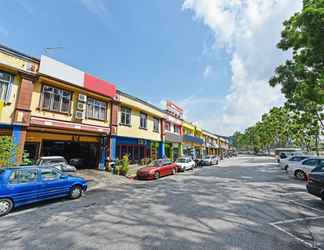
[213, 58]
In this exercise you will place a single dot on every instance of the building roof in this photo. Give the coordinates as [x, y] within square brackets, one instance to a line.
[16, 53]
[139, 100]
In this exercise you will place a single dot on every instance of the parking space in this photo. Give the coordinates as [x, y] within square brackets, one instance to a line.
[243, 203]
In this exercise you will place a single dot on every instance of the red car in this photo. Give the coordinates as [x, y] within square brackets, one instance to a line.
[157, 169]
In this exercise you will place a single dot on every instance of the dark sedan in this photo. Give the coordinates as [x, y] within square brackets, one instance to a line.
[157, 169]
[315, 185]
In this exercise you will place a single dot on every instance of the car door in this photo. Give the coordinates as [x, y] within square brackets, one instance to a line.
[23, 184]
[52, 184]
[309, 165]
[165, 169]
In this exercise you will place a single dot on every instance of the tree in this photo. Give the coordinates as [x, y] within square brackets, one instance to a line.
[302, 77]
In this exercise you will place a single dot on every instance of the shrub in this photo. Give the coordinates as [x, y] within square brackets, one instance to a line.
[8, 151]
[125, 165]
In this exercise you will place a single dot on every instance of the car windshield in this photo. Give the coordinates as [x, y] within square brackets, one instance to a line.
[156, 163]
[181, 160]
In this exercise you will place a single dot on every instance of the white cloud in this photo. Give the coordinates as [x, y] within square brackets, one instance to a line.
[208, 70]
[97, 7]
[248, 30]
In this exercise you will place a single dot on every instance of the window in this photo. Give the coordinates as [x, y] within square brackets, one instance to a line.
[143, 120]
[125, 117]
[5, 85]
[176, 129]
[167, 126]
[310, 162]
[49, 174]
[156, 124]
[23, 176]
[55, 99]
[96, 109]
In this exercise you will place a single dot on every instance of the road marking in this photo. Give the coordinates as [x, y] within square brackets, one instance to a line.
[275, 225]
[306, 206]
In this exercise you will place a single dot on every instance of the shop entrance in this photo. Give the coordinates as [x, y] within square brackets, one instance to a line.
[80, 154]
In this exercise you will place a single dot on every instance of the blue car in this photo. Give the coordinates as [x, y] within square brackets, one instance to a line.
[24, 185]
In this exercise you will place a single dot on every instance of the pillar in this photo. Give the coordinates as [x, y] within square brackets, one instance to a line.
[180, 149]
[161, 150]
[102, 157]
[19, 137]
[113, 148]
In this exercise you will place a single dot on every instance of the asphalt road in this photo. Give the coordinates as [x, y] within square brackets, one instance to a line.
[246, 203]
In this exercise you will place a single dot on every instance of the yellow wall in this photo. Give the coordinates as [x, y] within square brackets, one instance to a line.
[188, 126]
[134, 131]
[15, 62]
[140, 106]
[8, 110]
[35, 110]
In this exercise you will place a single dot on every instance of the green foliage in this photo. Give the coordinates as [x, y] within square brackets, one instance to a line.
[302, 78]
[280, 127]
[26, 159]
[8, 150]
[122, 166]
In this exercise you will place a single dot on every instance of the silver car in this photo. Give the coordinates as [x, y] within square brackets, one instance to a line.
[300, 170]
[284, 163]
[58, 162]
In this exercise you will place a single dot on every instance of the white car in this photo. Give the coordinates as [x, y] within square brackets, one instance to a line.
[284, 163]
[185, 163]
[57, 162]
[210, 160]
[300, 170]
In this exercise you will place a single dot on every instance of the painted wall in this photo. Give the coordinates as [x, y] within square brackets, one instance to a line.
[8, 109]
[134, 131]
[36, 111]
[140, 106]
[16, 62]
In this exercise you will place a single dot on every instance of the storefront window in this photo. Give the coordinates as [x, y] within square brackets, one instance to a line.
[143, 120]
[5, 83]
[125, 117]
[96, 109]
[55, 99]
[156, 124]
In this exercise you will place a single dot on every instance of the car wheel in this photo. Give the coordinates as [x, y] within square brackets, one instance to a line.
[174, 171]
[6, 206]
[156, 175]
[300, 175]
[75, 192]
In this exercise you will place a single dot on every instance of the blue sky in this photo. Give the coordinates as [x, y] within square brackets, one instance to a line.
[188, 51]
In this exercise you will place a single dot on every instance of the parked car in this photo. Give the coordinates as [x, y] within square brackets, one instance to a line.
[199, 162]
[315, 184]
[283, 153]
[157, 169]
[210, 160]
[24, 185]
[284, 163]
[58, 162]
[185, 163]
[301, 169]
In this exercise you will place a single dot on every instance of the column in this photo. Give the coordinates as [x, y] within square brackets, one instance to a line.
[113, 148]
[180, 149]
[102, 157]
[19, 137]
[161, 150]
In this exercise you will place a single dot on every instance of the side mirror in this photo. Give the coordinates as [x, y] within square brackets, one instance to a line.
[63, 177]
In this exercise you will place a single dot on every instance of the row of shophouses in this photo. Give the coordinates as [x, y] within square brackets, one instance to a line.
[50, 108]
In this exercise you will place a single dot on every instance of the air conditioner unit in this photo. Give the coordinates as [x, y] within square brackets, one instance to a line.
[79, 115]
[81, 106]
[82, 98]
